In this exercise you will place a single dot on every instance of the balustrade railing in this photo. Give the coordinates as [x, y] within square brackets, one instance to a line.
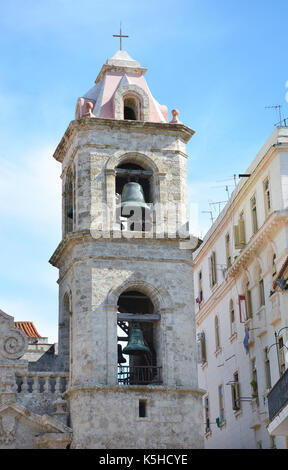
[42, 382]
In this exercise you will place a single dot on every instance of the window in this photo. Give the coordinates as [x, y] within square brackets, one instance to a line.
[207, 414]
[212, 269]
[254, 214]
[228, 254]
[249, 301]
[267, 368]
[281, 354]
[217, 334]
[261, 290]
[235, 390]
[254, 383]
[68, 202]
[221, 403]
[65, 332]
[267, 198]
[200, 291]
[201, 348]
[142, 409]
[274, 269]
[232, 318]
[272, 442]
[131, 108]
[239, 232]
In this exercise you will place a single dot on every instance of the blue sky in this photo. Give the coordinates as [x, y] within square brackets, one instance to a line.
[220, 63]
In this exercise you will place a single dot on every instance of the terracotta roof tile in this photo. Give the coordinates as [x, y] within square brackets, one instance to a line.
[28, 328]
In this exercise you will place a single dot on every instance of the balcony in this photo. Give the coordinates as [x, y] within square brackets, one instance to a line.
[278, 407]
[139, 375]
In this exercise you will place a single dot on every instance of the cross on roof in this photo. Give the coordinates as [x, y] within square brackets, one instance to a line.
[120, 36]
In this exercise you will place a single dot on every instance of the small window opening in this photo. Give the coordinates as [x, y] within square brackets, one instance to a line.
[142, 409]
[129, 113]
[131, 109]
[69, 202]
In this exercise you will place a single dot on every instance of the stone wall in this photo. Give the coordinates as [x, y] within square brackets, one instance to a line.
[108, 418]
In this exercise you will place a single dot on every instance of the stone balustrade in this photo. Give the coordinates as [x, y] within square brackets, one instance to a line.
[42, 382]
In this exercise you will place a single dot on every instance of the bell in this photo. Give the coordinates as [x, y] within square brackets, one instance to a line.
[133, 196]
[135, 344]
[70, 213]
[121, 358]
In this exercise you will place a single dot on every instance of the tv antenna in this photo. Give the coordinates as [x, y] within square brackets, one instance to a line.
[279, 108]
[217, 203]
[211, 215]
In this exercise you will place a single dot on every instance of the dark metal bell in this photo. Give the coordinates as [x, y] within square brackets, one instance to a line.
[121, 358]
[70, 213]
[136, 345]
[133, 196]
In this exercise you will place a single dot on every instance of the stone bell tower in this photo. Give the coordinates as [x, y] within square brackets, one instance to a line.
[121, 283]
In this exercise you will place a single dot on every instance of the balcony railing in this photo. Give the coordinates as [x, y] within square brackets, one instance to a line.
[139, 375]
[42, 382]
[278, 396]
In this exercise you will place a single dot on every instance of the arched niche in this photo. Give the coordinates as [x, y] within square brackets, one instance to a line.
[136, 99]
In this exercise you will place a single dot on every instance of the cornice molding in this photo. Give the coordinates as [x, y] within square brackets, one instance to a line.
[237, 200]
[260, 238]
[246, 257]
[75, 126]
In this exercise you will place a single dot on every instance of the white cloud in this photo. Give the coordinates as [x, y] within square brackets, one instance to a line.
[30, 190]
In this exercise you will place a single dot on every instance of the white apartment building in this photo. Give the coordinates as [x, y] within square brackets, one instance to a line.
[242, 304]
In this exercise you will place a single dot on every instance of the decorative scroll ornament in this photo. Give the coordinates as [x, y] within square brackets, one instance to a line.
[14, 345]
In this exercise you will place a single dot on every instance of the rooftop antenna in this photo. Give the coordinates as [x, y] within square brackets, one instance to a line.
[211, 215]
[227, 191]
[217, 203]
[278, 107]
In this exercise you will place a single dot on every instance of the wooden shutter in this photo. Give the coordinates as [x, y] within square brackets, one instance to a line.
[242, 239]
[203, 347]
[237, 243]
[214, 270]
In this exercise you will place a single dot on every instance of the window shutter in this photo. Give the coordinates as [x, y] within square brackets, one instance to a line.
[203, 348]
[242, 308]
[237, 243]
[242, 238]
[233, 396]
[282, 357]
[210, 271]
[214, 268]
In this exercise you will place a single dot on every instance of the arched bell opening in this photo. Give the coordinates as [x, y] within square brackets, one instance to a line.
[134, 196]
[137, 346]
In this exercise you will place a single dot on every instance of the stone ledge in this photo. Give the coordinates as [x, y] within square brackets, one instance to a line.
[85, 236]
[132, 388]
[143, 126]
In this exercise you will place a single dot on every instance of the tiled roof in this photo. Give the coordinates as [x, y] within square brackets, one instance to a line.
[28, 328]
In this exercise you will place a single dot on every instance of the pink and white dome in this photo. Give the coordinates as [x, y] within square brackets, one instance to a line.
[121, 88]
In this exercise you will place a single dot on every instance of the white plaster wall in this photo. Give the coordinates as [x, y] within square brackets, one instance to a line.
[247, 429]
